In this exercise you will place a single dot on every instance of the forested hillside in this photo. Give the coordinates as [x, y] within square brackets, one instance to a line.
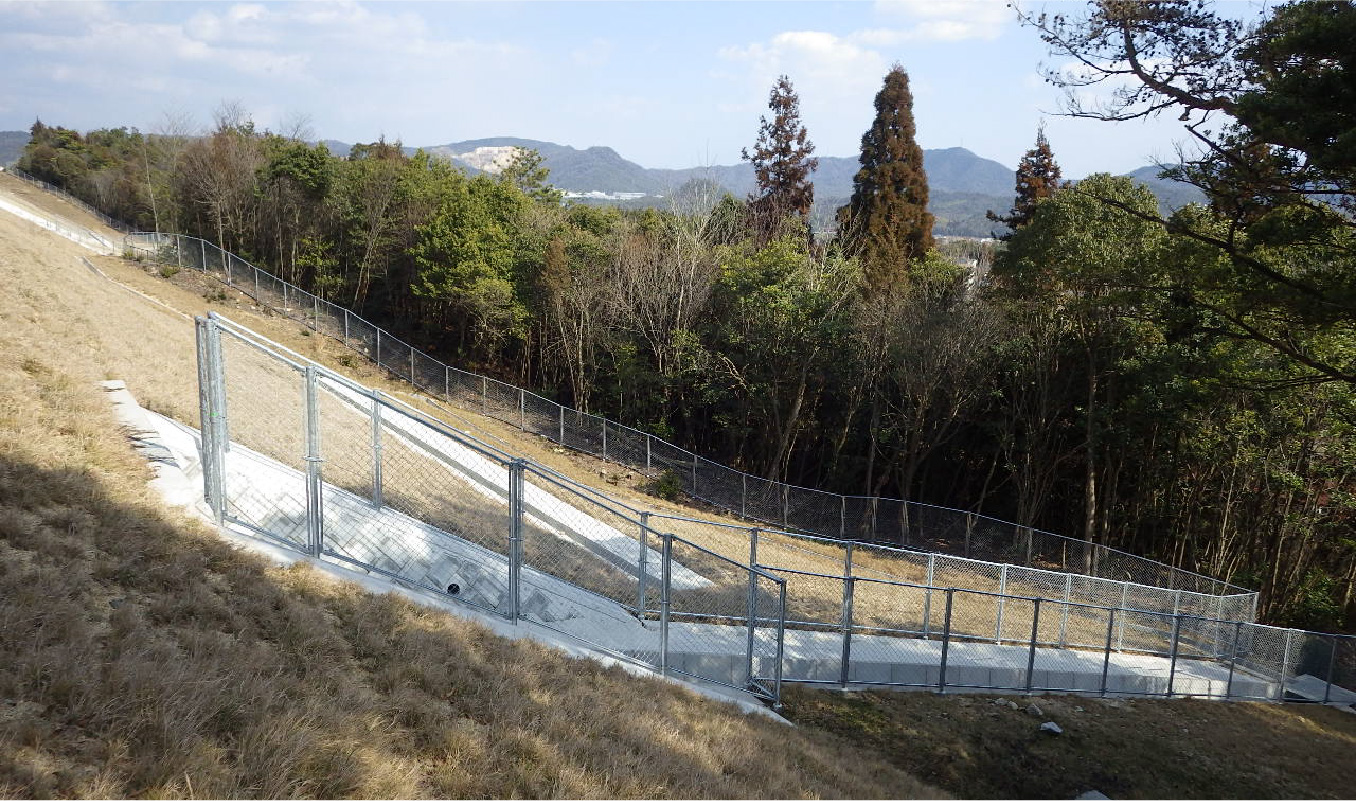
[1179, 388]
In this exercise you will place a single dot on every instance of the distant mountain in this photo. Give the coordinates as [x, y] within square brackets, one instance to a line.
[12, 146]
[1171, 194]
[962, 186]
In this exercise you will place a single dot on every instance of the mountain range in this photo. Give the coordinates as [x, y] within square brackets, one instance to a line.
[962, 185]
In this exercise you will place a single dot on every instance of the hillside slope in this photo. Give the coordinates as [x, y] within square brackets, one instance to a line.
[142, 656]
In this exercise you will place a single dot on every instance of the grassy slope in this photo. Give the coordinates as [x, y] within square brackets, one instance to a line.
[140, 655]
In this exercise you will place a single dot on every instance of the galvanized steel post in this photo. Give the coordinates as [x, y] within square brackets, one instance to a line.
[665, 602]
[515, 474]
[1002, 603]
[946, 640]
[604, 439]
[1064, 615]
[376, 450]
[1106, 655]
[781, 645]
[845, 619]
[642, 564]
[314, 505]
[1125, 600]
[1285, 665]
[1332, 664]
[751, 611]
[561, 439]
[1031, 651]
[522, 410]
[1172, 660]
[927, 597]
[1233, 660]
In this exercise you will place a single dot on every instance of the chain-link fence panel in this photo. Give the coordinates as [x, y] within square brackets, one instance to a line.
[717, 484]
[574, 537]
[393, 356]
[265, 419]
[429, 374]
[814, 511]
[888, 620]
[711, 634]
[763, 500]
[883, 607]
[628, 447]
[938, 529]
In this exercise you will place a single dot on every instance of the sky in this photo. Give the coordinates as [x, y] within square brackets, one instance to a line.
[666, 84]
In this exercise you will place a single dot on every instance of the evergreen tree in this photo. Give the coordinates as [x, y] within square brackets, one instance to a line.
[781, 163]
[1037, 177]
[887, 224]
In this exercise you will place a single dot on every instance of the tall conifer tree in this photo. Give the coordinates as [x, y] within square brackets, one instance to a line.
[781, 163]
[1037, 177]
[887, 224]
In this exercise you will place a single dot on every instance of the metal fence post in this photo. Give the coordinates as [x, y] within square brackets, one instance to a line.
[1332, 665]
[178, 252]
[751, 614]
[561, 439]
[786, 504]
[515, 472]
[226, 260]
[1172, 659]
[376, 450]
[209, 416]
[642, 564]
[522, 410]
[203, 247]
[1233, 660]
[743, 494]
[1035, 632]
[346, 314]
[969, 527]
[694, 475]
[1125, 599]
[1002, 603]
[647, 448]
[946, 640]
[927, 597]
[1285, 665]
[781, 645]
[315, 524]
[604, 439]
[665, 602]
[1064, 615]
[256, 284]
[849, 586]
[484, 390]
[1106, 655]
[376, 348]
[842, 516]
[412, 368]
[447, 383]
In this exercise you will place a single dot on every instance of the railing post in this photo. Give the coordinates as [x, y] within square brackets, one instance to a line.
[211, 417]
[647, 447]
[1285, 665]
[1064, 615]
[1125, 602]
[1106, 654]
[751, 614]
[376, 450]
[226, 260]
[484, 389]
[515, 472]
[315, 531]
[927, 597]
[743, 494]
[1002, 603]
[969, 527]
[256, 286]
[376, 348]
[665, 591]
[1332, 665]
[849, 586]
[694, 475]
[604, 438]
[842, 517]
[202, 246]
[786, 505]
[781, 645]
[522, 410]
[346, 313]
[1172, 659]
[315, 314]
[561, 439]
[1029, 536]
[1233, 660]
[447, 383]
[1035, 632]
[642, 564]
[946, 640]
[178, 252]
[412, 368]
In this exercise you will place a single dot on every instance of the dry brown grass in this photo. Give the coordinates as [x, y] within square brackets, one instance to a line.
[974, 748]
[142, 656]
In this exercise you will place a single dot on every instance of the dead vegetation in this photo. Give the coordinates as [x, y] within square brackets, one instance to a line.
[992, 746]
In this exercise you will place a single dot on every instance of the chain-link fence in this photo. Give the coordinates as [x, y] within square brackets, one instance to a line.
[320, 464]
[909, 525]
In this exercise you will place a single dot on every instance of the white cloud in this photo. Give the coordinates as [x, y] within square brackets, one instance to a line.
[945, 20]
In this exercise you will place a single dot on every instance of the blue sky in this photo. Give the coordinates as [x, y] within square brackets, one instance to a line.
[667, 84]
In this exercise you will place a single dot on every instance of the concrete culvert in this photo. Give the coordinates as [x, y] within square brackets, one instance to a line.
[453, 589]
